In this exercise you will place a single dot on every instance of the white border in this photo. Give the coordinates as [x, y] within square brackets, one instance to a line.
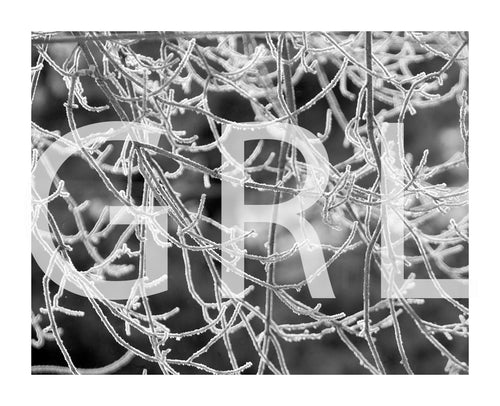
[20, 18]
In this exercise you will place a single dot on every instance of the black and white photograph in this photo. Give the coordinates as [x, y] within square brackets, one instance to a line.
[219, 193]
[223, 277]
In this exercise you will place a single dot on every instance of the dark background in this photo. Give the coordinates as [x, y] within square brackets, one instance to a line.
[89, 343]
